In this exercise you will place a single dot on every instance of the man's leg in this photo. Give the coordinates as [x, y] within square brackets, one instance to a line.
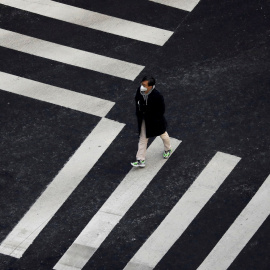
[166, 141]
[167, 144]
[142, 145]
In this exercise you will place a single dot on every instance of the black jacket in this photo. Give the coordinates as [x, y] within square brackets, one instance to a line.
[152, 113]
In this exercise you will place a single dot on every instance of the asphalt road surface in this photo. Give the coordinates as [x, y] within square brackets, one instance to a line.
[68, 74]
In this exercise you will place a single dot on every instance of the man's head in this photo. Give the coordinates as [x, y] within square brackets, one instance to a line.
[148, 83]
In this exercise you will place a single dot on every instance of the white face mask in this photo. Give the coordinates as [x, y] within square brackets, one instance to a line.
[143, 89]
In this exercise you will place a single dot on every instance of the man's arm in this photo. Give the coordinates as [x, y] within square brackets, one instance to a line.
[161, 105]
[136, 103]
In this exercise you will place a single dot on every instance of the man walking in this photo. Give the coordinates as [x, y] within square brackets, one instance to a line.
[150, 109]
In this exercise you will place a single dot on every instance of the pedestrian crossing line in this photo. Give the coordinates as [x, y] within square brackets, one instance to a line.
[182, 214]
[241, 231]
[55, 95]
[93, 20]
[67, 55]
[113, 209]
[187, 5]
[65, 182]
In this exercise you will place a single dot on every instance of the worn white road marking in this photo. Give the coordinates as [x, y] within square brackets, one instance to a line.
[28, 228]
[114, 209]
[69, 55]
[55, 95]
[92, 20]
[187, 5]
[241, 231]
[182, 214]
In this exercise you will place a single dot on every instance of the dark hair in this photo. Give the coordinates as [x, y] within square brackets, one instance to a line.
[151, 80]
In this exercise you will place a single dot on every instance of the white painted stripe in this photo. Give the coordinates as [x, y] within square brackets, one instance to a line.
[114, 209]
[25, 232]
[92, 20]
[241, 231]
[69, 55]
[187, 5]
[180, 217]
[55, 95]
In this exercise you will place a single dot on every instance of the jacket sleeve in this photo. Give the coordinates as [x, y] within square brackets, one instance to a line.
[161, 105]
[136, 103]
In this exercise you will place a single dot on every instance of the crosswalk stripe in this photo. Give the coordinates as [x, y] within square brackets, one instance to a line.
[241, 231]
[77, 167]
[69, 55]
[182, 214]
[187, 5]
[93, 20]
[113, 209]
[55, 95]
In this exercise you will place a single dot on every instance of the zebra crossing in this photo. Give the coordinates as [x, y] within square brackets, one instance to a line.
[113, 210]
[60, 188]
[55, 95]
[70, 56]
[241, 231]
[171, 228]
[93, 20]
[102, 136]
